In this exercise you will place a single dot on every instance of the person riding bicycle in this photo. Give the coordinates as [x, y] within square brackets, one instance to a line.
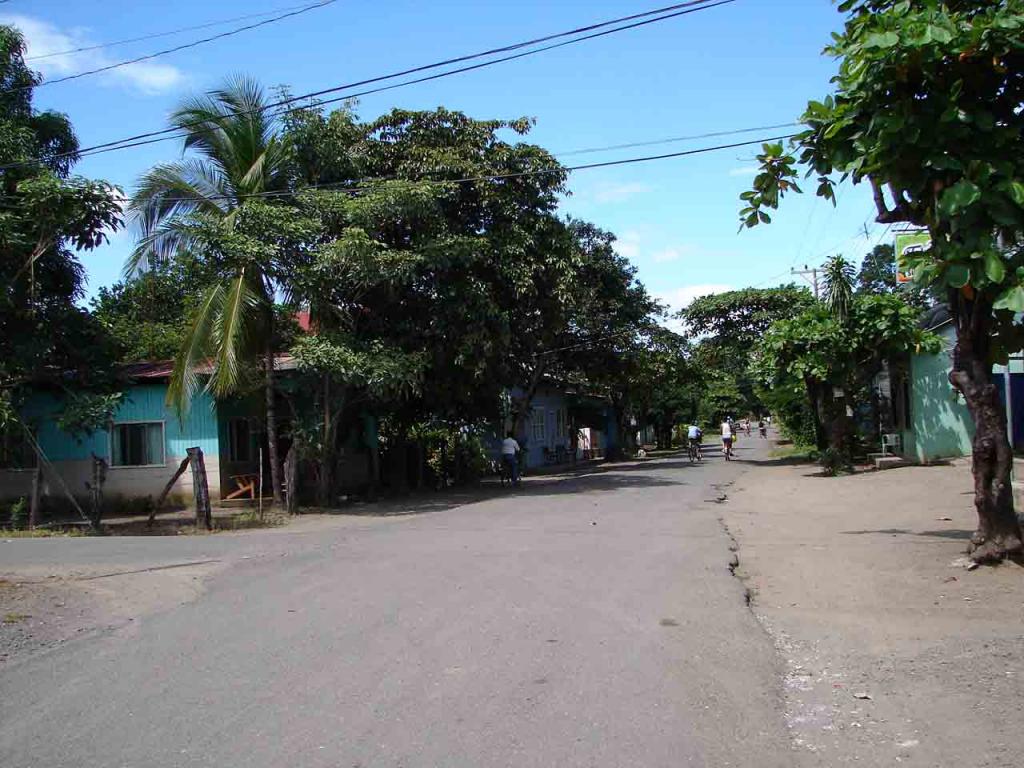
[728, 435]
[510, 458]
[694, 435]
[762, 428]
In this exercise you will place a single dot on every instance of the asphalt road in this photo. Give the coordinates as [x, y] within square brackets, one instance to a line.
[582, 621]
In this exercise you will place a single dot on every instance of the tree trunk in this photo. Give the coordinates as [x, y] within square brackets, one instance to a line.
[325, 472]
[99, 476]
[813, 395]
[291, 473]
[34, 499]
[200, 489]
[999, 533]
[373, 458]
[275, 467]
[421, 464]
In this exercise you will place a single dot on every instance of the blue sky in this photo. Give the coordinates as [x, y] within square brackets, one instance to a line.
[746, 64]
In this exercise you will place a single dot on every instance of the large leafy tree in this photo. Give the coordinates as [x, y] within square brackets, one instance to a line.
[47, 215]
[147, 313]
[730, 325]
[834, 348]
[926, 110]
[197, 207]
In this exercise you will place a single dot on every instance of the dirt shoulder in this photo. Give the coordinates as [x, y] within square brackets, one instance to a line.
[895, 653]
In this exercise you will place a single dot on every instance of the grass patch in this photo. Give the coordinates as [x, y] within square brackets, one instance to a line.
[794, 452]
[40, 533]
[15, 618]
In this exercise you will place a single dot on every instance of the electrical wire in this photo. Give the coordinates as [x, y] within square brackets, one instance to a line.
[675, 139]
[175, 49]
[142, 138]
[368, 183]
[155, 35]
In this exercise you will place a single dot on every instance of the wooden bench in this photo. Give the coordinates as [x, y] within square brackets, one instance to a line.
[245, 485]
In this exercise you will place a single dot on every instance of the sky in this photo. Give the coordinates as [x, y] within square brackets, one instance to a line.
[746, 64]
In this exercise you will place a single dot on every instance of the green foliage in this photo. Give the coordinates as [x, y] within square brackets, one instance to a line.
[84, 413]
[732, 324]
[148, 313]
[46, 217]
[819, 353]
[838, 283]
[926, 110]
[17, 513]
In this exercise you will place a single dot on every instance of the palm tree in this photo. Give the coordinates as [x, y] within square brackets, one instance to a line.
[839, 282]
[237, 153]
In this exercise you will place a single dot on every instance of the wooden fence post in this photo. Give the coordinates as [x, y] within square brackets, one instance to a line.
[200, 488]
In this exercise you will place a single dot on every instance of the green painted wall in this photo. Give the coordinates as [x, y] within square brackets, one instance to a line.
[142, 403]
[941, 427]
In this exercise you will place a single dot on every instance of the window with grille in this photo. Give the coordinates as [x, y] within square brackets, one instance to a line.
[537, 422]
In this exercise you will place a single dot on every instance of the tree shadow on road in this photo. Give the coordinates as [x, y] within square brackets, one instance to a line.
[958, 533]
[599, 478]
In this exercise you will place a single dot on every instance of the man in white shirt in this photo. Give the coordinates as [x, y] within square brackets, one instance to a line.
[727, 439]
[510, 457]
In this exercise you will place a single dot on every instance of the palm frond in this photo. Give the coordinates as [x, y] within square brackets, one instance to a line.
[169, 192]
[236, 325]
[195, 349]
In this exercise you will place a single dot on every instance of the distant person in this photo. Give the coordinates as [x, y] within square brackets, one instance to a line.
[510, 457]
[694, 436]
[727, 438]
[762, 428]
[746, 426]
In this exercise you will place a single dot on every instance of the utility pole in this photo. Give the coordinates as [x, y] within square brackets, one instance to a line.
[813, 272]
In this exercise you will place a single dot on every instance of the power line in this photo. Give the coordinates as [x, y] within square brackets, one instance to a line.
[155, 35]
[175, 49]
[674, 139]
[143, 138]
[368, 183]
[671, 11]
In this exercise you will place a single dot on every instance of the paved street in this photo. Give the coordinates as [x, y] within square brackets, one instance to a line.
[581, 621]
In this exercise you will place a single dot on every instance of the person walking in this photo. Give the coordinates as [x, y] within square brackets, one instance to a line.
[762, 428]
[727, 438]
[510, 458]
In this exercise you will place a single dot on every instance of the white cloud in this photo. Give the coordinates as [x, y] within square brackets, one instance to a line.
[43, 38]
[669, 254]
[680, 298]
[618, 193]
[628, 244]
[746, 170]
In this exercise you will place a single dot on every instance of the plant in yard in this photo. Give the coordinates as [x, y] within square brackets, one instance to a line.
[178, 207]
[926, 109]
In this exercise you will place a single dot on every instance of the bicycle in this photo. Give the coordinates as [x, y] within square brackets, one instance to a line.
[695, 452]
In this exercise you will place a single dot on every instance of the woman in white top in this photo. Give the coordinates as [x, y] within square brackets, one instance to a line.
[727, 439]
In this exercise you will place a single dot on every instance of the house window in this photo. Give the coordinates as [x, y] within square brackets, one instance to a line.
[137, 444]
[537, 423]
[16, 450]
[561, 423]
[239, 440]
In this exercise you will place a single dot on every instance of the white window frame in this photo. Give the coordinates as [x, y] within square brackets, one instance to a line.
[538, 423]
[110, 444]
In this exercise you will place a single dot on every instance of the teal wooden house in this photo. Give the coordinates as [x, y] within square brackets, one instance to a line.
[144, 444]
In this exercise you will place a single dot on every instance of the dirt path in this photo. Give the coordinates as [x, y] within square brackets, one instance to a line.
[894, 652]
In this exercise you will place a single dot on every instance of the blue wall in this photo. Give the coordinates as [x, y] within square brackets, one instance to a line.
[141, 403]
